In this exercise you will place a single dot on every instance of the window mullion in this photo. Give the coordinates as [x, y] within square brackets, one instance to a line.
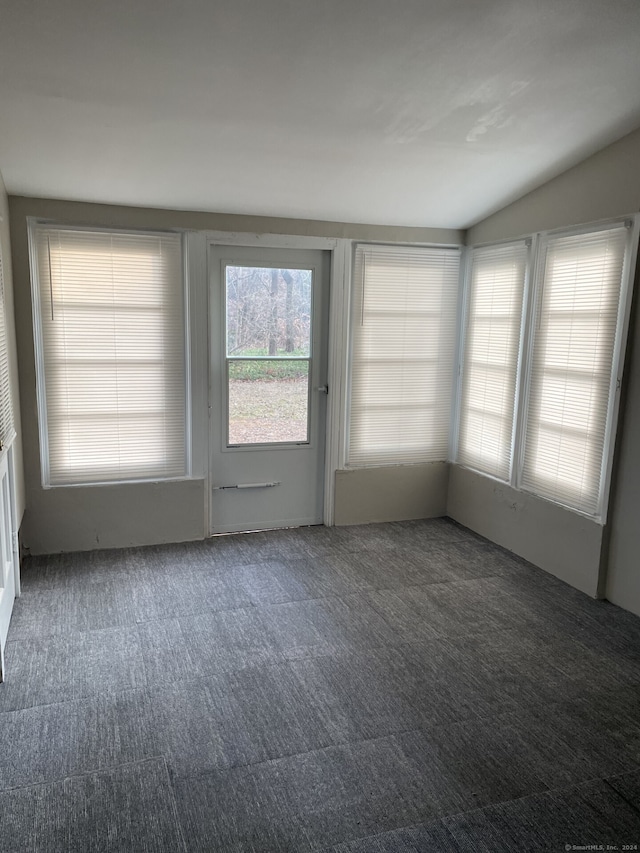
[523, 377]
[622, 327]
[463, 305]
[124, 287]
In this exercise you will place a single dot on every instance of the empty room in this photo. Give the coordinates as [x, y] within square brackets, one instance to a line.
[319, 418]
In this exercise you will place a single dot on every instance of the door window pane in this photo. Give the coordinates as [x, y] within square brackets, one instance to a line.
[268, 312]
[268, 401]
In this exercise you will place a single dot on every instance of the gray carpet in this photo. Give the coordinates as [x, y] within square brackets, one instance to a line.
[394, 687]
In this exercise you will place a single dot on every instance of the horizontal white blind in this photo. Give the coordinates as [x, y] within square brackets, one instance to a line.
[7, 430]
[113, 354]
[490, 362]
[570, 383]
[403, 344]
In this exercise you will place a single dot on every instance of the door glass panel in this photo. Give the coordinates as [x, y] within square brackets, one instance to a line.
[268, 347]
[268, 312]
[268, 401]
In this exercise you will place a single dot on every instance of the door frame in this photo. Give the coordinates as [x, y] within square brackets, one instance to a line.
[13, 587]
[337, 346]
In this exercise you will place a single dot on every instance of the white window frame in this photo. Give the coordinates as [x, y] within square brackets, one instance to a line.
[7, 412]
[632, 223]
[463, 310]
[349, 321]
[534, 281]
[32, 224]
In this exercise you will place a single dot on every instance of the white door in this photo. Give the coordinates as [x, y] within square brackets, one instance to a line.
[7, 572]
[269, 329]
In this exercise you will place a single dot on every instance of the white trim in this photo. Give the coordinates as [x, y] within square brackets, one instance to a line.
[348, 357]
[467, 467]
[8, 452]
[14, 516]
[339, 309]
[531, 307]
[617, 367]
[408, 244]
[188, 390]
[311, 441]
[11, 590]
[197, 284]
[215, 318]
[36, 311]
[69, 225]
[524, 360]
[464, 283]
[269, 241]
[588, 228]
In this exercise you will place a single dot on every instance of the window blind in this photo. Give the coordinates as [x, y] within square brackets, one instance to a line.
[7, 430]
[490, 359]
[403, 347]
[111, 355]
[570, 374]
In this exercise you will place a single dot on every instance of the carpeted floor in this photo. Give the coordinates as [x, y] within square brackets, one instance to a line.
[394, 687]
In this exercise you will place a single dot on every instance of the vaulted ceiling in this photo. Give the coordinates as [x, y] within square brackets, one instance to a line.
[411, 112]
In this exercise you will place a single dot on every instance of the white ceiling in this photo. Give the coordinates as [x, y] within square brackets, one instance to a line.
[408, 112]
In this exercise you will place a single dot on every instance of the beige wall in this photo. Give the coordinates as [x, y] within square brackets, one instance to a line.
[602, 186]
[85, 517]
[391, 493]
[555, 539]
[13, 356]
[605, 185]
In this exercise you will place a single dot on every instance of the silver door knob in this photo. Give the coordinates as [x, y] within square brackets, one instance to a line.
[324, 389]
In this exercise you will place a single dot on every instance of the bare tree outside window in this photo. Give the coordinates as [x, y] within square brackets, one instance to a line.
[264, 318]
